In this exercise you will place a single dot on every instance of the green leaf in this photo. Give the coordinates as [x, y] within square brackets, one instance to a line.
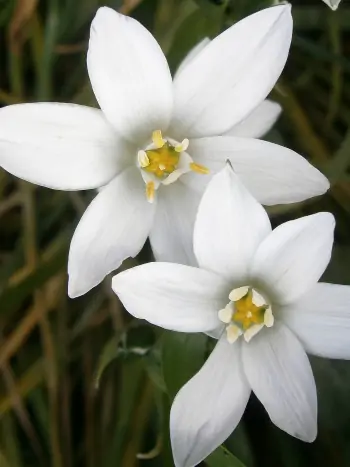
[109, 353]
[221, 457]
[183, 355]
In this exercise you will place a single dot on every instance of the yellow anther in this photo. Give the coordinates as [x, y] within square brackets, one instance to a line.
[162, 167]
[268, 318]
[225, 315]
[199, 169]
[157, 139]
[233, 332]
[183, 146]
[143, 159]
[150, 190]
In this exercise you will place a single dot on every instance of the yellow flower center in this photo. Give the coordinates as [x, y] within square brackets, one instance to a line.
[246, 314]
[164, 162]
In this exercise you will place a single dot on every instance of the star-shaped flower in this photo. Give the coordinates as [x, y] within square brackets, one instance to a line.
[150, 147]
[257, 290]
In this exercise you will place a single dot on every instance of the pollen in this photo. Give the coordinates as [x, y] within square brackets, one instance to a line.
[199, 169]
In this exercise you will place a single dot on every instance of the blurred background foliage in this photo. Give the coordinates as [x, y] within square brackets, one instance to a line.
[82, 383]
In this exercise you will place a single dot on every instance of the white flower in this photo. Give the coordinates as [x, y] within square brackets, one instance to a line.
[332, 3]
[258, 291]
[258, 122]
[155, 139]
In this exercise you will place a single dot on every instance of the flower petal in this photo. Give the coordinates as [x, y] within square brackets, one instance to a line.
[233, 74]
[294, 256]
[209, 407]
[61, 146]
[258, 122]
[229, 227]
[272, 173]
[192, 54]
[173, 296]
[280, 375]
[321, 320]
[114, 227]
[130, 75]
[333, 4]
[172, 232]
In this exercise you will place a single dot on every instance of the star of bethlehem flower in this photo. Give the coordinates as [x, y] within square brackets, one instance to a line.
[150, 147]
[257, 290]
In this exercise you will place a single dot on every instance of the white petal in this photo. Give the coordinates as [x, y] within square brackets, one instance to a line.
[332, 3]
[192, 54]
[173, 296]
[61, 146]
[114, 227]
[258, 122]
[172, 232]
[272, 173]
[233, 74]
[321, 320]
[280, 375]
[229, 227]
[130, 75]
[293, 257]
[209, 407]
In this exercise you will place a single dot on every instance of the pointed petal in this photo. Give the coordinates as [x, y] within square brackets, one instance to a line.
[130, 75]
[233, 74]
[293, 257]
[173, 296]
[333, 4]
[229, 227]
[280, 375]
[272, 173]
[258, 122]
[192, 54]
[321, 320]
[172, 232]
[61, 146]
[209, 407]
[114, 227]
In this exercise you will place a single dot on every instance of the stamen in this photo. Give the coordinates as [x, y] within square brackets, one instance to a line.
[237, 294]
[199, 169]
[143, 159]
[247, 311]
[183, 146]
[232, 333]
[150, 190]
[225, 314]
[269, 318]
[162, 167]
[252, 331]
[157, 139]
